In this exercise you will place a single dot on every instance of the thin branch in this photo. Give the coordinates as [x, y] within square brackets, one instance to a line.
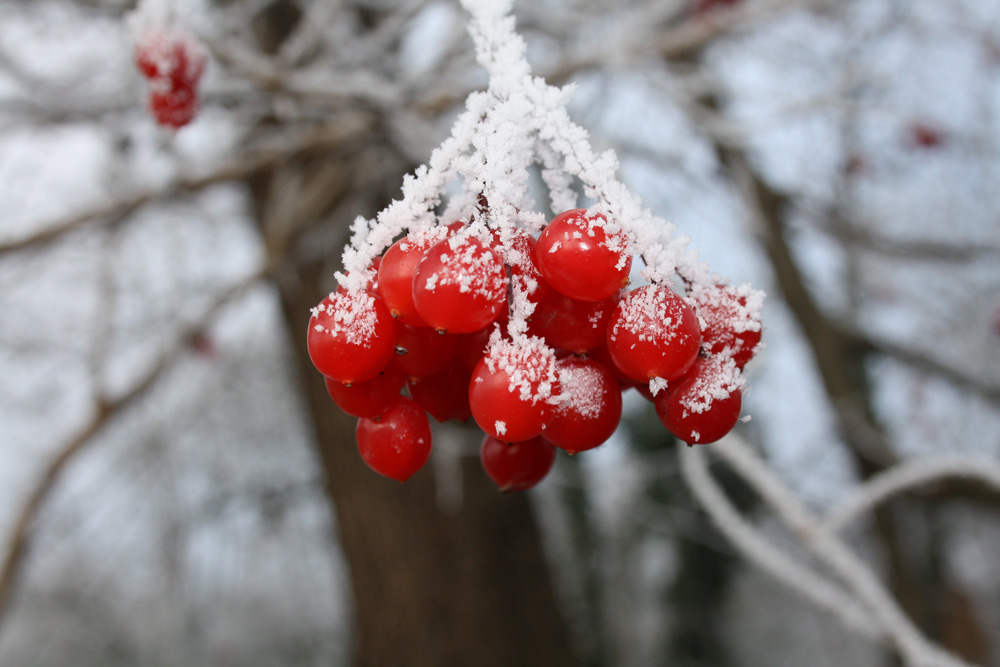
[106, 411]
[903, 635]
[339, 131]
[927, 364]
[770, 558]
[904, 477]
[910, 250]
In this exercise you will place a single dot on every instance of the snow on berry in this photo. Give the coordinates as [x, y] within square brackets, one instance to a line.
[653, 333]
[581, 257]
[460, 285]
[704, 405]
[529, 364]
[513, 388]
[588, 408]
[729, 325]
[351, 337]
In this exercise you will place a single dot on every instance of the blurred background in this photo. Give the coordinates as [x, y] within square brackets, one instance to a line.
[177, 489]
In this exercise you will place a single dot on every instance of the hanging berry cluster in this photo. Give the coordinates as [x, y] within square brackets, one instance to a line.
[173, 62]
[487, 310]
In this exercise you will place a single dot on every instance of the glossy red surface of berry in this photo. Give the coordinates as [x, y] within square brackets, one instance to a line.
[578, 259]
[460, 285]
[398, 443]
[422, 351]
[653, 332]
[368, 398]
[395, 273]
[689, 411]
[577, 326]
[509, 394]
[351, 338]
[444, 395]
[589, 408]
[517, 466]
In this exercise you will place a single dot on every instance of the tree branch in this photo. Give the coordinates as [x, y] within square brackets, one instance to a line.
[905, 477]
[899, 630]
[342, 129]
[924, 362]
[106, 411]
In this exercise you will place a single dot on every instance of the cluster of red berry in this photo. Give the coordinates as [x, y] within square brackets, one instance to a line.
[428, 319]
[173, 63]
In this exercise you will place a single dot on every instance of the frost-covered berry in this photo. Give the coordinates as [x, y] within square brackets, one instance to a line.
[579, 259]
[351, 337]
[653, 333]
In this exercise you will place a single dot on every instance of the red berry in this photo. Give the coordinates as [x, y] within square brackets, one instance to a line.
[589, 408]
[578, 259]
[460, 285]
[351, 337]
[395, 273]
[472, 347]
[519, 465]
[729, 327]
[704, 405]
[653, 333]
[511, 388]
[422, 351]
[444, 395]
[577, 326]
[924, 135]
[175, 107]
[170, 56]
[398, 443]
[368, 398]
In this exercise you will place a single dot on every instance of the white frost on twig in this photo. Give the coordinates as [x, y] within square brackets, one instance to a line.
[906, 476]
[518, 122]
[897, 629]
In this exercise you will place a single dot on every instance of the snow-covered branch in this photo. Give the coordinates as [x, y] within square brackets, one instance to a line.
[907, 476]
[826, 547]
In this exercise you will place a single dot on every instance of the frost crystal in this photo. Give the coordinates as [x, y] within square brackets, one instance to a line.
[656, 385]
[719, 377]
[582, 392]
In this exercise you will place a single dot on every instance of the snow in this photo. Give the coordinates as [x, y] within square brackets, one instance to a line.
[351, 316]
[649, 312]
[582, 390]
[529, 364]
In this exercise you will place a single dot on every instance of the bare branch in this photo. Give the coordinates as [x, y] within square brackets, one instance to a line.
[772, 559]
[924, 362]
[926, 251]
[900, 631]
[104, 414]
[343, 129]
[905, 477]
